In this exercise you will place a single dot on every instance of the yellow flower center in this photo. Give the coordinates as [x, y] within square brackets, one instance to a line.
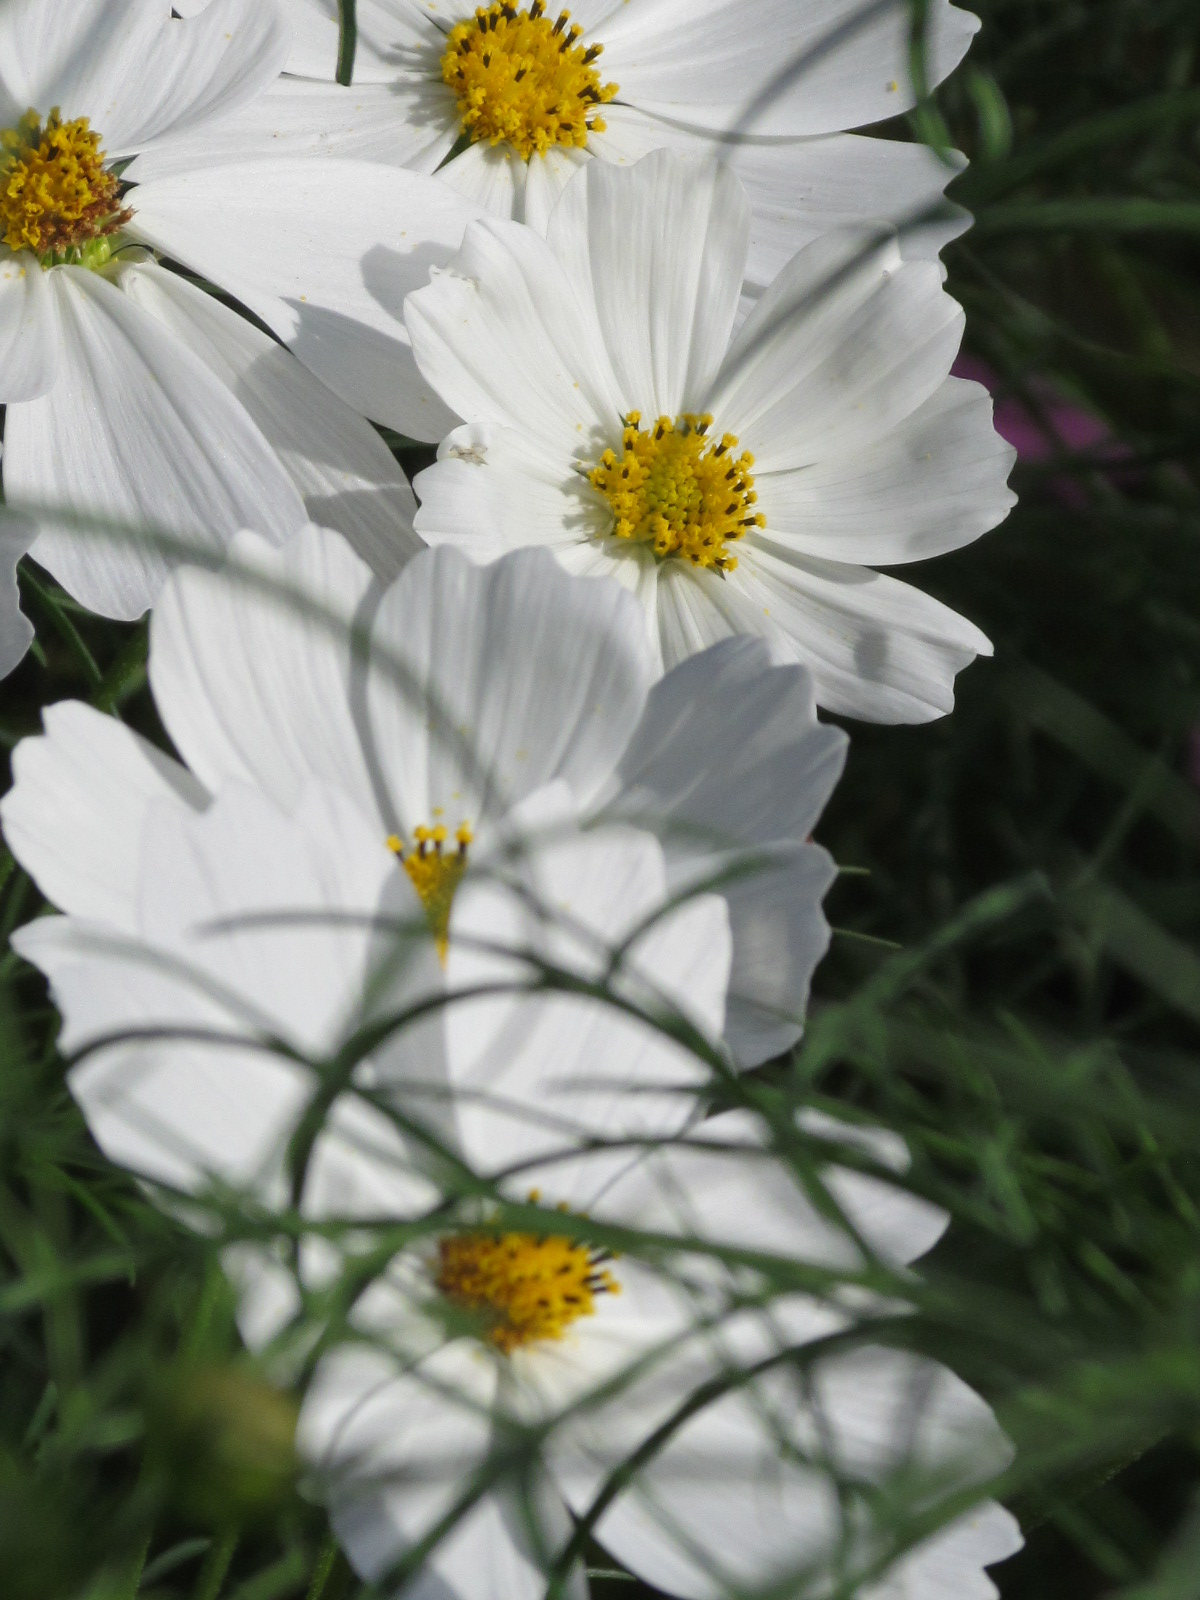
[679, 490]
[523, 1287]
[519, 77]
[56, 197]
[435, 874]
[675, 488]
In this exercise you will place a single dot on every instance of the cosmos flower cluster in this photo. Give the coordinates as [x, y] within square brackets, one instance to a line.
[474, 881]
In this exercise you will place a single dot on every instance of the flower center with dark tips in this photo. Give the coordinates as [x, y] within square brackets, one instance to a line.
[522, 79]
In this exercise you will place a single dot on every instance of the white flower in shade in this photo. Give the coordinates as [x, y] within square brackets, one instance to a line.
[131, 395]
[739, 480]
[219, 950]
[492, 703]
[233, 926]
[769, 84]
[633, 1373]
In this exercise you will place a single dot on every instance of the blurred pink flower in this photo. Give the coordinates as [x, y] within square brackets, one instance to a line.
[1061, 427]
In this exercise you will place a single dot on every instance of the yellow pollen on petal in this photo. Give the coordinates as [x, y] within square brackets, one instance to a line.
[435, 873]
[524, 1287]
[522, 79]
[675, 488]
[56, 196]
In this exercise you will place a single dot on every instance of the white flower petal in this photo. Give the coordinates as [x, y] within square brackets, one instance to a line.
[780, 935]
[388, 32]
[900, 1226]
[697, 609]
[949, 1565]
[16, 630]
[138, 73]
[510, 676]
[723, 1184]
[801, 188]
[721, 1507]
[399, 1452]
[395, 1449]
[776, 67]
[634, 567]
[747, 815]
[867, 1396]
[546, 176]
[728, 753]
[502, 336]
[493, 489]
[181, 1114]
[348, 477]
[535, 1074]
[935, 482]
[324, 252]
[493, 176]
[136, 429]
[660, 250]
[876, 648]
[846, 343]
[492, 1555]
[80, 798]
[252, 687]
[408, 122]
[715, 1511]
[183, 1111]
[29, 331]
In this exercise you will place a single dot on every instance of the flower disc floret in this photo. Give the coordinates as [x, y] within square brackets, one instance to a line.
[677, 489]
[524, 1287]
[435, 873]
[57, 198]
[522, 79]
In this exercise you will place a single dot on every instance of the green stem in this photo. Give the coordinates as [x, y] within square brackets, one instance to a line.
[347, 40]
[326, 1561]
[138, 1567]
[215, 1568]
[63, 625]
[1115, 215]
[127, 673]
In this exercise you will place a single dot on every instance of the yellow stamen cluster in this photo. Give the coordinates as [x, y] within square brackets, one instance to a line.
[56, 197]
[524, 1287]
[435, 874]
[522, 79]
[677, 489]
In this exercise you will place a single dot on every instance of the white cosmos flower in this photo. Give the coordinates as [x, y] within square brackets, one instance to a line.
[740, 481]
[533, 705]
[487, 1336]
[770, 84]
[130, 394]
